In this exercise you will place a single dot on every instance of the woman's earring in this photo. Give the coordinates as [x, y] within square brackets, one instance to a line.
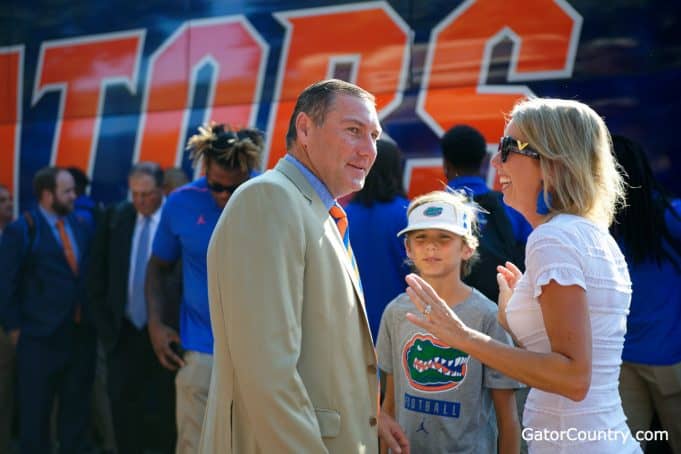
[542, 207]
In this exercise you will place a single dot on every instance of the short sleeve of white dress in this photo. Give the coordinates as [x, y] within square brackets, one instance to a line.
[554, 253]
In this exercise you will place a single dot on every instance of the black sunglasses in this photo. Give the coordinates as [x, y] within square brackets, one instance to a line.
[217, 187]
[509, 144]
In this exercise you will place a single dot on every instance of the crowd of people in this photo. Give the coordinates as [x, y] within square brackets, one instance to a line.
[253, 313]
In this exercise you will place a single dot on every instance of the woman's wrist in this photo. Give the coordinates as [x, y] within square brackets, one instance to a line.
[467, 336]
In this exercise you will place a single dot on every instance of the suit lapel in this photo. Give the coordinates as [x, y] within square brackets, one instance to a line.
[127, 231]
[52, 241]
[330, 228]
[46, 232]
[298, 179]
[332, 232]
[122, 232]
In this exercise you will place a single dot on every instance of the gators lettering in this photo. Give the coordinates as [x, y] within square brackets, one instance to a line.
[453, 81]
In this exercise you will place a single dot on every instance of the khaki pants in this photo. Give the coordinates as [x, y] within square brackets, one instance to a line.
[191, 387]
[647, 389]
[7, 368]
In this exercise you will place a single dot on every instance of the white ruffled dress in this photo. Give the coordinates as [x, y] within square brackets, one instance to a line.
[572, 250]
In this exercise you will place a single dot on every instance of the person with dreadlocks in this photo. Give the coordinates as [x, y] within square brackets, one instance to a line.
[229, 158]
[649, 232]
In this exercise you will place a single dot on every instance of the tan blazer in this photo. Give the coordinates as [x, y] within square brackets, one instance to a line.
[294, 364]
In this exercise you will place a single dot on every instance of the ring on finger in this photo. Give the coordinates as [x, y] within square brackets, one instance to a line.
[427, 310]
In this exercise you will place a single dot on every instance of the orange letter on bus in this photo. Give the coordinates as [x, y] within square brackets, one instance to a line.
[237, 56]
[80, 69]
[371, 44]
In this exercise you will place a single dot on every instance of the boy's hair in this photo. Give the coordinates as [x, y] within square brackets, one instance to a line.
[460, 201]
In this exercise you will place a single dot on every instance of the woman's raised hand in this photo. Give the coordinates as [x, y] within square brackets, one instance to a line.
[437, 317]
[507, 278]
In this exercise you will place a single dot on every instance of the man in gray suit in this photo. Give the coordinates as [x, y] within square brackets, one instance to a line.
[295, 367]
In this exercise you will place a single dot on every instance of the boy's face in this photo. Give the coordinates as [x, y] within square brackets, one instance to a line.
[437, 253]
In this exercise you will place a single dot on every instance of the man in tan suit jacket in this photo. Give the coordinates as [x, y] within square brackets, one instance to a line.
[295, 367]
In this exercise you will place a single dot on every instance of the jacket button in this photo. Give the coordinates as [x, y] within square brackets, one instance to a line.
[372, 421]
[371, 368]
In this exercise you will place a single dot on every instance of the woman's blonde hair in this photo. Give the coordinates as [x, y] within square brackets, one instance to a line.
[577, 162]
[460, 201]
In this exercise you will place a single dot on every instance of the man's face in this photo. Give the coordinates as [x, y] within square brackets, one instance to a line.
[223, 182]
[146, 196]
[64, 194]
[6, 206]
[342, 150]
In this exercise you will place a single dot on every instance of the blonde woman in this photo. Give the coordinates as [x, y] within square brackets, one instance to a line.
[568, 310]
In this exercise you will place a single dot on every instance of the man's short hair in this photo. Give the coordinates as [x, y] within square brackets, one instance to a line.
[45, 179]
[174, 177]
[316, 100]
[148, 168]
[464, 147]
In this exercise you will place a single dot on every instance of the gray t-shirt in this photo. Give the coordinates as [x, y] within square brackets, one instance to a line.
[441, 393]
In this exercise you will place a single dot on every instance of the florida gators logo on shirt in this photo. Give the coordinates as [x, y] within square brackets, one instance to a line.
[431, 365]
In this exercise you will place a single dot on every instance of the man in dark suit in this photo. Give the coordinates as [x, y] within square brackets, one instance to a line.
[44, 309]
[136, 380]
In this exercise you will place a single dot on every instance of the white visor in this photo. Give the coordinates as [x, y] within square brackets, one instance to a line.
[438, 215]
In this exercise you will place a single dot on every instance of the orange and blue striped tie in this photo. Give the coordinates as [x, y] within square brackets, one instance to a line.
[338, 214]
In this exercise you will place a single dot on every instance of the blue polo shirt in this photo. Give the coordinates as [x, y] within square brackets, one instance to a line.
[187, 222]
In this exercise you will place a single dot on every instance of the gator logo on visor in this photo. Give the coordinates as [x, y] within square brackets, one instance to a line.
[431, 212]
[432, 366]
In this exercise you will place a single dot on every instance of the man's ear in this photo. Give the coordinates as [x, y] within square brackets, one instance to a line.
[47, 196]
[303, 123]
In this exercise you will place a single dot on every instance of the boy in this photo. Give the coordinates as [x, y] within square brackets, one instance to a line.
[444, 400]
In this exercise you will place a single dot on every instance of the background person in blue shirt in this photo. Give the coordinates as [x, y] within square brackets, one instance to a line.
[376, 214]
[649, 232]
[189, 216]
